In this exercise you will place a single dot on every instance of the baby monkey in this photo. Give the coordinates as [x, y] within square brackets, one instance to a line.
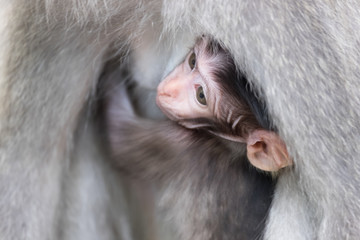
[206, 92]
[200, 156]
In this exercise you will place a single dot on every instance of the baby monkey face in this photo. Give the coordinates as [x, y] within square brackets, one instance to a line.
[189, 91]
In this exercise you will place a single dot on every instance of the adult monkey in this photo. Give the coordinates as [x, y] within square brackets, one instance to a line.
[302, 57]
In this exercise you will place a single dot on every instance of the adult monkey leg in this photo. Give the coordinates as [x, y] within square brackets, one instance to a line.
[49, 67]
[301, 56]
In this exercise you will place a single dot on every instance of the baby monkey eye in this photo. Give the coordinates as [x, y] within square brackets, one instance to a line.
[200, 96]
[192, 60]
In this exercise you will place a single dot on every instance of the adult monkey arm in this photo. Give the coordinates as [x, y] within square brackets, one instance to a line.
[304, 56]
[297, 56]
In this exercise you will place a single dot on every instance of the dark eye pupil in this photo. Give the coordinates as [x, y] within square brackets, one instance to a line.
[192, 61]
[200, 96]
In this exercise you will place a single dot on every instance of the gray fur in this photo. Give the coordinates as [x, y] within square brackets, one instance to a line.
[302, 56]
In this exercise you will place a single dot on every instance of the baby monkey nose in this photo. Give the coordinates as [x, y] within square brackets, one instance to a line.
[170, 88]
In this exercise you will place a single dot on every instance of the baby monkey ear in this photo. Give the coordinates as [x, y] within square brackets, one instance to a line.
[267, 151]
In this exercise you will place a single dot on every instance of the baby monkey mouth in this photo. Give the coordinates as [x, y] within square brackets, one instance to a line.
[163, 94]
[164, 107]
